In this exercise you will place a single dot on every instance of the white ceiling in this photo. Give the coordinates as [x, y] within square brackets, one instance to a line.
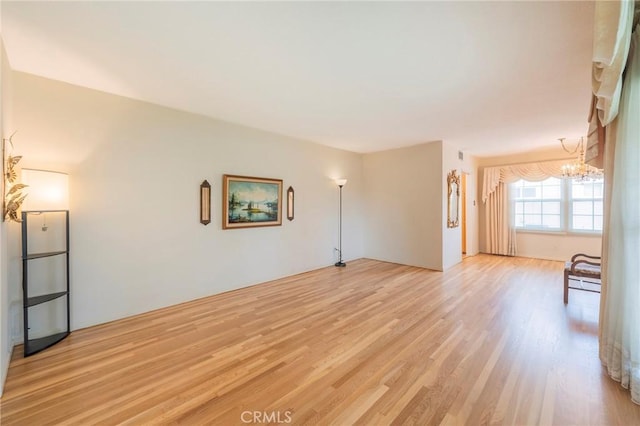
[489, 77]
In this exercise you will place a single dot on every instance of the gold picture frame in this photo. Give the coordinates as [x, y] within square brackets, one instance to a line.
[453, 199]
[250, 202]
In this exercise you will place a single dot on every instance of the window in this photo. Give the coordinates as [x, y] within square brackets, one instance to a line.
[586, 205]
[558, 205]
[537, 205]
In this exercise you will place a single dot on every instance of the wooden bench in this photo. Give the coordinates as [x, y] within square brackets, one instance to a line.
[582, 266]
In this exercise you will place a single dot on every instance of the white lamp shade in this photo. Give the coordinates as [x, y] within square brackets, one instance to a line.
[46, 190]
[341, 182]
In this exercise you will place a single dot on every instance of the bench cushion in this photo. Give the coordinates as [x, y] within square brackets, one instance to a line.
[584, 270]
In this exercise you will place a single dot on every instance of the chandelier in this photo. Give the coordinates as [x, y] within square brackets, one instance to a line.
[578, 169]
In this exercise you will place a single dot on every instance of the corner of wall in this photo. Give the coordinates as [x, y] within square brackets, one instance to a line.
[409, 180]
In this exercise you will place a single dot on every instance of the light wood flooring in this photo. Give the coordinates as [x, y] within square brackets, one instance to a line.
[487, 342]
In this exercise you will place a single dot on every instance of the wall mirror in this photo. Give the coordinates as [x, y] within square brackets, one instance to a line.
[453, 199]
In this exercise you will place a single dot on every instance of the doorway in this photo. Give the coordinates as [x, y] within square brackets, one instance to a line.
[463, 211]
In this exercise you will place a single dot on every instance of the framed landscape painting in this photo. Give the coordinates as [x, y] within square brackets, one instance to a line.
[250, 202]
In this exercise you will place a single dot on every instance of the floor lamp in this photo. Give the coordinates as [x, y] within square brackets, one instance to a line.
[340, 183]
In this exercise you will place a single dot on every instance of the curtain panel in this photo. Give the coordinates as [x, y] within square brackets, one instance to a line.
[501, 232]
[619, 313]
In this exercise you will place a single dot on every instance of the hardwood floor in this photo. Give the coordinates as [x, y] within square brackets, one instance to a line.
[488, 342]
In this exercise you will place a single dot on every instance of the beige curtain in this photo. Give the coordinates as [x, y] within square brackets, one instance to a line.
[510, 173]
[613, 22]
[620, 303]
[501, 233]
[611, 131]
[499, 227]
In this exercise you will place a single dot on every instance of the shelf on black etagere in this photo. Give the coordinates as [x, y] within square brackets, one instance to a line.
[48, 254]
[36, 300]
[35, 345]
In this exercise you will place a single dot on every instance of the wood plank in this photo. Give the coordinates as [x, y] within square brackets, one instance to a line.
[488, 341]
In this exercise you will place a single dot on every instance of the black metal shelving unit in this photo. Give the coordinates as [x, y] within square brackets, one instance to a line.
[35, 345]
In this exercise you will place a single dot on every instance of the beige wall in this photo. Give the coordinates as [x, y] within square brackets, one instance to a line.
[403, 213]
[135, 171]
[5, 130]
[406, 206]
[452, 237]
[536, 244]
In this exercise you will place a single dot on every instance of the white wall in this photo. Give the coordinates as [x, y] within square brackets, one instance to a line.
[5, 335]
[537, 245]
[403, 205]
[135, 171]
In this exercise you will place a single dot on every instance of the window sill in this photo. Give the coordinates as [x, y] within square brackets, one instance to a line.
[559, 233]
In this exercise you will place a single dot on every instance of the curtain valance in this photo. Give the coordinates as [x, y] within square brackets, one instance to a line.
[612, 36]
[528, 171]
[613, 23]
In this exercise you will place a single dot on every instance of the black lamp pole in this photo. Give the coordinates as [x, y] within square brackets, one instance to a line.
[340, 262]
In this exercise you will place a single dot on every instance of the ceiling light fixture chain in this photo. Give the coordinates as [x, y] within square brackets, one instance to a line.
[565, 148]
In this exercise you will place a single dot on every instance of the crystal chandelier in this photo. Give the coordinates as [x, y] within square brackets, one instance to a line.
[578, 169]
